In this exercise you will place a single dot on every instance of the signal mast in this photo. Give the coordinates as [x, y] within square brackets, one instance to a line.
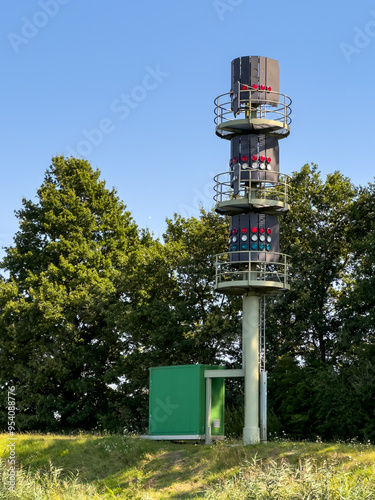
[253, 116]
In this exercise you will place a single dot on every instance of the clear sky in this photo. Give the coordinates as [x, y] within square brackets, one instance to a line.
[130, 85]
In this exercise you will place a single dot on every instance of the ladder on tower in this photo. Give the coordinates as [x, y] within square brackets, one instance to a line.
[262, 370]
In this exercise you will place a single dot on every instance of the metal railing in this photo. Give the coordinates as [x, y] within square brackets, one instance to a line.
[257, 104]
[252, 269]
[252, 185]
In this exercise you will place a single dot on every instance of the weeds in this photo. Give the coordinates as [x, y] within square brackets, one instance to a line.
[282, 481]
[125, 467]
[45, 485]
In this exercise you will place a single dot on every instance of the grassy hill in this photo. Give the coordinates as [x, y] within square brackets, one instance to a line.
[85, 466]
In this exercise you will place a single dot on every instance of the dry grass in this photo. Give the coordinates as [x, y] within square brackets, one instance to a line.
[124, 467]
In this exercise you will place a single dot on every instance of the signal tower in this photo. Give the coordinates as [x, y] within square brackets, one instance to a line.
[253, 116]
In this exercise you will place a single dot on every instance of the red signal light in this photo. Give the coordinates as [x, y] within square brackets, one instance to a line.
[234, 160]
[243, 87]
[254, 229]
[262, 158]
[254, 157]
[262, 230]
[244, 229]
[244, 158]
[255, 86]
[269, 89]
[234, 231]
[268, 231]
[262, 87]
[268, 159]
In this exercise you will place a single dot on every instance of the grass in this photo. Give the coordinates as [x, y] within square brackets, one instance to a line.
[85, 466]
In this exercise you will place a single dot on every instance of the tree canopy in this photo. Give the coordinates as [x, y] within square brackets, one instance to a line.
[60, 343]
[90, 302]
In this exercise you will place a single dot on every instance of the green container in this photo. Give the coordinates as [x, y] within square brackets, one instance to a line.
[178, 402]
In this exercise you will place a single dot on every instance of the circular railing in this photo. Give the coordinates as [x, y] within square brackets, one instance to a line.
[267, 111]
[265, 188]
[261, 272]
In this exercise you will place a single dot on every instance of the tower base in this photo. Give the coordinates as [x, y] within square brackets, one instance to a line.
[251, 435]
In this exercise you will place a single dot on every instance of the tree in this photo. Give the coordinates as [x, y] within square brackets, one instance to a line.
[357, 304]
[315, 234]
[304, 327]
[356, 312]
[175, 317]
[60, 344]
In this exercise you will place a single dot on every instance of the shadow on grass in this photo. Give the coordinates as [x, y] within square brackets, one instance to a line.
[92, 457]
[167, 470]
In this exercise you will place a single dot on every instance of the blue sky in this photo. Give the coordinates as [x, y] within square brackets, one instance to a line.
[69, 67]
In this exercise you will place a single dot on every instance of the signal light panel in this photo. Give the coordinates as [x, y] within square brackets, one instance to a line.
[253, 157]
[254, 233]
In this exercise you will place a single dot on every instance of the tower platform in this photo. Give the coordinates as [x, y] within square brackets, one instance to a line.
[246, 190]
[252, 114]
[260, 273]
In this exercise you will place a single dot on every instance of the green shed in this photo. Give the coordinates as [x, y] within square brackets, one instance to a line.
[177, 402]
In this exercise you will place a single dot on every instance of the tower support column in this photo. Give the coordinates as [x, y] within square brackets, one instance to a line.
[250, 364]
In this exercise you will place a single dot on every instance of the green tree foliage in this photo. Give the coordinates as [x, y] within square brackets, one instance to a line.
[315, 234]
[174, 316]
[90, 303]
[321, 334]
[59, 342]
[358, 303]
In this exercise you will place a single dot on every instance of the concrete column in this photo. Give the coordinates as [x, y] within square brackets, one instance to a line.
[250, 353]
